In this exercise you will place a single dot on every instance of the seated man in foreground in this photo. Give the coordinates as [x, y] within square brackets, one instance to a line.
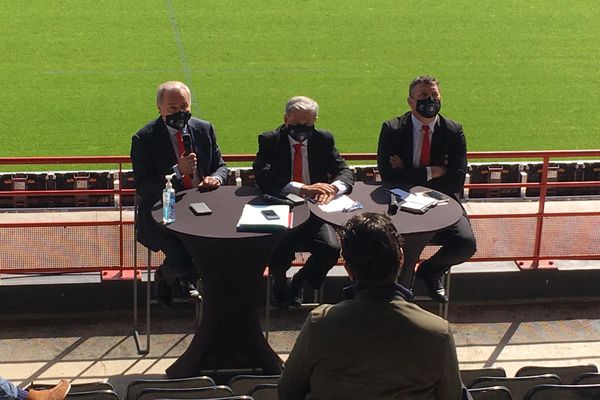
[377, 344]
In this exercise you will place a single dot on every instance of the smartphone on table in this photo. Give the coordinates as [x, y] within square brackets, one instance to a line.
[269, 214]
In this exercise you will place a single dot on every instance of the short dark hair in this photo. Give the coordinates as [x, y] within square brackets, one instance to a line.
[372, 247]
[426, 79]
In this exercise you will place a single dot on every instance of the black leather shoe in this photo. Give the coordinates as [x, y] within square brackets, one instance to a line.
[434, 286]
[436, 290]
[187, 290]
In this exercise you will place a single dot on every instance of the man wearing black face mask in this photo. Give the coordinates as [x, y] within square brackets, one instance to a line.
[299, 158]
[174, 143]
[423, 148]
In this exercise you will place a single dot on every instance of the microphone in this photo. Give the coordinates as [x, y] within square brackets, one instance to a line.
[393, 206]
[187, 143]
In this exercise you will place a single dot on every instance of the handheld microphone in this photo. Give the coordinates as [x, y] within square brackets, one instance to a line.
[187, 143]
[393, 207]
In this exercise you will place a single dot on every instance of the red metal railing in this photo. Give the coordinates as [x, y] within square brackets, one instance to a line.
[535, 257]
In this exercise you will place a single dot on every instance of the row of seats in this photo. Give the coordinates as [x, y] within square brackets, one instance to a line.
[534, 383]
[259, 387]
[529, 383]
[576, 171]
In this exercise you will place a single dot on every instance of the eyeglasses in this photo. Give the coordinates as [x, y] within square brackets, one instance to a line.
[357, 205]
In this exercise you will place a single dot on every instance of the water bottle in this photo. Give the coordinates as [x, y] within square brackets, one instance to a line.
[168, 200]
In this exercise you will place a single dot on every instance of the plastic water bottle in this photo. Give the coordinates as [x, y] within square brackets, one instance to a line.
[168, 200]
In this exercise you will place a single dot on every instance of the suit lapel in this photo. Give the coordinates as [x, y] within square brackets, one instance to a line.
[164, 145]
[406, 142]
[283, 148]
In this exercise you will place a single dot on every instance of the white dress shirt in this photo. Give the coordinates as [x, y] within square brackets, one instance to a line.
[418, 141]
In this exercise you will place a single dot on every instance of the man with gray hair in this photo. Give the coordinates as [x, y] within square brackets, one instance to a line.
[301, 159]
[174, 143]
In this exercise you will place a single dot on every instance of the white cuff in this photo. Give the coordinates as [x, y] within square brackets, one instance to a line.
[342, 187]
[428, 169]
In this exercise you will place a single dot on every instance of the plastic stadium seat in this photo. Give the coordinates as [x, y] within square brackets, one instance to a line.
[366, 173]
[210, 392]
[591, 172]
[137, 386]
[518, 386]
[588, 379]
[93, 395]
[242, 384]
[490, 393]
[567, 374]
[75, 387]
[469, 375]
[265, 391]
[557, 172]
[564, 392]
[126, 182]
[494, 173]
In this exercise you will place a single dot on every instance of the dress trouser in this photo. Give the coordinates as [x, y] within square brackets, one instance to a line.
[458, 245]
[178, 263]
[314, 236]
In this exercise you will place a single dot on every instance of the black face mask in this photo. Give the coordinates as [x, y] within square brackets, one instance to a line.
[178, 120]
[428, 107]
[300, 132]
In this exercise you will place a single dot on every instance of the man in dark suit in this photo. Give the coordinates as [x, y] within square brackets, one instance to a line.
[157, 150]
[298, 158]
[423, 148]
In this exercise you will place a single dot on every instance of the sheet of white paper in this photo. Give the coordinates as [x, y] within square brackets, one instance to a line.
[338, 204]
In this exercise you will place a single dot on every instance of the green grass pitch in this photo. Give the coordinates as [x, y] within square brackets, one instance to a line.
[79, 76]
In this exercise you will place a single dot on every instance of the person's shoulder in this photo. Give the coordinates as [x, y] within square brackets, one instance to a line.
[422, 320]
[197, 123]
[148, 130]
[398, 122]
[450, 124]
[272, 133]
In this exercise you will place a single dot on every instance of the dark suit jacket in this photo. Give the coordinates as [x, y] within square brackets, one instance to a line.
[153, 157]
[448, 149]
[273, 163]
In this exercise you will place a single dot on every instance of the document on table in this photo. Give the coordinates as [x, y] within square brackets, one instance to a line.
[253, 220]
[339, 203]
[413, 202]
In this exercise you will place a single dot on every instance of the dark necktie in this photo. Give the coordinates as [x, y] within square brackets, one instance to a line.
[297, 170]
[185, 179]
[425, 146]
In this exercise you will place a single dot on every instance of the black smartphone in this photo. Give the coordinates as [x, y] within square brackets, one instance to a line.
[200, 209]
[269, 214]
[297, 200]
[434, 195]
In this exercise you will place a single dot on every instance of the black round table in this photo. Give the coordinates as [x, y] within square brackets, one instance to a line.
[230, 264]
[416, 229]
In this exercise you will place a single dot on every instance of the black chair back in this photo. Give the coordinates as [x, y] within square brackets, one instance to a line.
[567, 374]
[564, 392]
[518, 386]
[469, 375]
[242, 384]
[137, 386]
[490, 393]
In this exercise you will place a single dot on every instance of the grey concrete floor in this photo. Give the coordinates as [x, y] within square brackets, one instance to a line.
[99, 347]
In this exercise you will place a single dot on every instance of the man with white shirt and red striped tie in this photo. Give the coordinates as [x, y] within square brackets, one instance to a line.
[174, 143]
[423, 148]
[301, 159]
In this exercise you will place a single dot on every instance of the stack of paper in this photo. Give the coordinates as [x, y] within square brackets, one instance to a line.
[253, 220]
[414, 203]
